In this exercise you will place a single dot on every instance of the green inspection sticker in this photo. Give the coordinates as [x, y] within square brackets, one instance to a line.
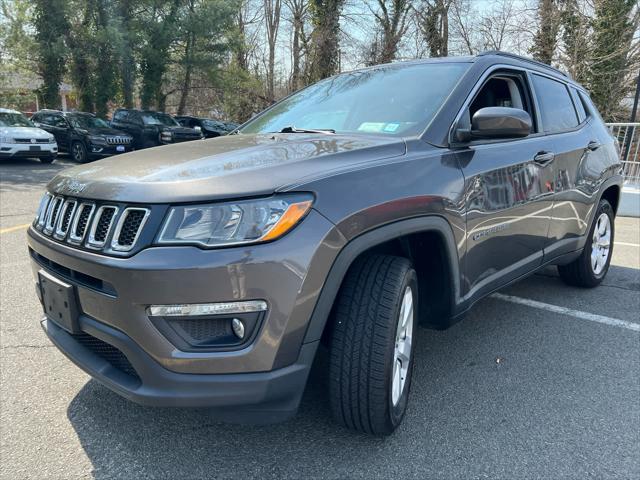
[377, 127]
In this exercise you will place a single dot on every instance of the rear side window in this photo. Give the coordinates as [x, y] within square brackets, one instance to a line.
[556, 106]
[582, 113]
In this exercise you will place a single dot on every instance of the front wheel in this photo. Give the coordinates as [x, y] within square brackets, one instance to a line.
[79, 152]
[590, 268]
[371, 346]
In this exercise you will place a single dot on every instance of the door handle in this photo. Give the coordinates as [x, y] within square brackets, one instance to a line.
[593, 145]
[542, 158]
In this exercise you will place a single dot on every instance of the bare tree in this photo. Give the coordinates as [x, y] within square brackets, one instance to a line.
[433, 22]
[272, 23]
[298, 9]
[391, 20]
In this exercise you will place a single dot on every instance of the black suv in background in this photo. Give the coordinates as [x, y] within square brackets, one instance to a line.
[209, 128]
[150, 129]
[83, 135]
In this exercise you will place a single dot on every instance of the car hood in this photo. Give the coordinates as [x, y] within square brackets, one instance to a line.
[24, 132]
[223, 167]
[107, 132]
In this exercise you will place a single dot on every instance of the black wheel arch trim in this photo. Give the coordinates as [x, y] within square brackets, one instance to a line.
[368, 240]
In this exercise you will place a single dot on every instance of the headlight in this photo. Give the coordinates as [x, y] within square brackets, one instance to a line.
[52, 139]
[97, 140]
[224, 224]
[166, 136]
[7, 140]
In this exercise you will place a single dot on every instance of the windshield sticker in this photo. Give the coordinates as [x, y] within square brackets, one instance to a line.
[372, 127]
[391, 127]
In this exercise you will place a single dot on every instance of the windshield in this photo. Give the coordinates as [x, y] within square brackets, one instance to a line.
[213, 124]
[151, 118]
[86, 121]
[390, 100]
[14, 120]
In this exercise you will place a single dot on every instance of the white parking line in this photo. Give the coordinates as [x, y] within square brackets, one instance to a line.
[592, 317]
[627, 244]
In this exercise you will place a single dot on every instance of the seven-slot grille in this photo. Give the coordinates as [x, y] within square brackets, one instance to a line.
[84, 223]
[118, 140]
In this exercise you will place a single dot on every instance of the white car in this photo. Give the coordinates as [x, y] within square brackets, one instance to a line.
[20, 138]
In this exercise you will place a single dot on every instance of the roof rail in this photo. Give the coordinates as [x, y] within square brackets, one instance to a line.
[523, 59]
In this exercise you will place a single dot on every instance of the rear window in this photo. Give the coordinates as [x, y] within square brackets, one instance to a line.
[556, 106]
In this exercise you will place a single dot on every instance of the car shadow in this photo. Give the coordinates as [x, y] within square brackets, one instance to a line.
[29, 174]
[486, 388]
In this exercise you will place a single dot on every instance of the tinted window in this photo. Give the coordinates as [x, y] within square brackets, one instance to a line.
[10, 119]
[556, 106]
[120, 116]
[582, 113]
[389, 100]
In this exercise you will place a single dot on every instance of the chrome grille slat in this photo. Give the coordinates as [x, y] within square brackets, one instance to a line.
[128, 228]
[41, 216]
[80, 223]
[64, 219]
[118, 140]
[52, 214]
[101, 226]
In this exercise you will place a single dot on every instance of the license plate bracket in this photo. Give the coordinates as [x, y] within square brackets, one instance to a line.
[59, 302]
[34, 148]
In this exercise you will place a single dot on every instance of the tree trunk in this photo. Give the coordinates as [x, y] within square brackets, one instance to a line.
[186, 84]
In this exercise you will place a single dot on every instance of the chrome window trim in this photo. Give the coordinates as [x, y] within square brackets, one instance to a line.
[73, 238]
[91, 241]
[58, 233]
[114, 240]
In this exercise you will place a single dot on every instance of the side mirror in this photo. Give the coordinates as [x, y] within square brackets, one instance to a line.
[500, 122]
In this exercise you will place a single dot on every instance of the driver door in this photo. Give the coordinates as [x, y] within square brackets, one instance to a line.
[508, 191]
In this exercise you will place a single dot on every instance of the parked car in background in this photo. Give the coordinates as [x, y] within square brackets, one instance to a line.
[19, 137]
[209, 128]
[151, 129]
[83, 135]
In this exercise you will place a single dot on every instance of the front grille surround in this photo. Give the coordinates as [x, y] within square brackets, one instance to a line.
[52, 214]
[133, 231]
[81, 222]
[101, 226]
[64, 218]
[113, 229]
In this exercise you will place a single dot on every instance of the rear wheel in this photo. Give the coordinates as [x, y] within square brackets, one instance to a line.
[79, 152]
[371, 347]
[590, 268]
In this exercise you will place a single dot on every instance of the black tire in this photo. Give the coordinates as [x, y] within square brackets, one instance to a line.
[47, 160]
[580, 272]
[363, 338]
[79, 152]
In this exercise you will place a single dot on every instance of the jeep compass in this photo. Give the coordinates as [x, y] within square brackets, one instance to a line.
[346, 215]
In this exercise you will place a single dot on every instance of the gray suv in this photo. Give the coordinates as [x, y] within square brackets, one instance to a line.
[209, 273]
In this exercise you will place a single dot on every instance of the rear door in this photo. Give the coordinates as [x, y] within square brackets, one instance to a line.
[508, 191]
[577, 168]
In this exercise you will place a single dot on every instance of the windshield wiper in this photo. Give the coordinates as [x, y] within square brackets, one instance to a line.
[292, 129]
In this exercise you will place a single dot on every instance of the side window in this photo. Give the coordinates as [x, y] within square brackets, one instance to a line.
[120, 116]
[577, 101]
[556, 106]
[59, 121]
[45, 119]
[502, 90]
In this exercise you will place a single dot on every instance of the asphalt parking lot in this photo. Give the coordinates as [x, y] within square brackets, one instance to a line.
[541, 382]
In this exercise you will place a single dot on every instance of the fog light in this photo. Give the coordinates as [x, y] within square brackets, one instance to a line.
[194, 309]
[238, 328]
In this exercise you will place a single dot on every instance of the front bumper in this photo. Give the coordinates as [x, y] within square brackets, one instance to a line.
[288, 274]
[24, 150]
[100, 151]
[254, 397]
